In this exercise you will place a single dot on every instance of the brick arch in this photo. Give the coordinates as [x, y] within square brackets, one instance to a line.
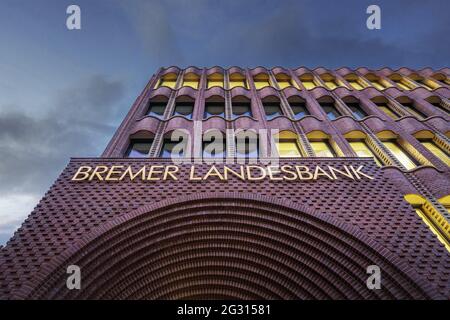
[228, 246]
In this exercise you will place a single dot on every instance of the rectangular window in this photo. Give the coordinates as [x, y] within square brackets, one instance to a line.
[377, 85]
[272, 110]
[299, 109]
[238, 83]
[190, 83]
[357, 111]
[355, 84]
[330, 84]
[241, 109]
[184, 109]
[388, 111]
[401, 85]
[436, 150]
[362, 150]
[214, 109]
[322, 149]
[139, 148]
[156, 109]
[330, 110]
[413, 110]
[261, 83]
[168, 83]
[288, 148]
[308, 84]
[405, 159]
[167, 150]
[284, 83]
[423, 84]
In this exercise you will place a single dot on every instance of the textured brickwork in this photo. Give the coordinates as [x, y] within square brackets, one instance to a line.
[246, 239]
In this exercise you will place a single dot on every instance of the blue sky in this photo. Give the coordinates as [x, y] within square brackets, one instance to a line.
[63, 93]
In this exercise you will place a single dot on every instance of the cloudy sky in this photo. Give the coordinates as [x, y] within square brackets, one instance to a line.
[63, 93]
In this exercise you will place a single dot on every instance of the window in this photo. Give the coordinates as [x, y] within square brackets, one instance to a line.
[214, 109]
[241, 109]
[357, 111]
[156, 109]
[432, 218]
[354, 82]
[247, 146]
[377, 82]
[168, 149]
[283, 81]
[237, 80]
[401, 155]
[413, 110]
[362, 150]
[391, 113]
[399, 81]
[184, 109]
[272, 110]
[329, 81]
[308, 81]
[169, 80]
[215, 79]
[191, 80]
[436, 150]
[261, 81]
[214, 145]
[287, 145]
[139, 148]
[322, 148]
[299, 109]
[330, 110]
[422, 82]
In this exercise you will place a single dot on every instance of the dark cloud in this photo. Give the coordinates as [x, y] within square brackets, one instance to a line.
[79, 122]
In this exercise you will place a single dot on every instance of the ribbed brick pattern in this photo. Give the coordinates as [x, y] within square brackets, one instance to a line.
[71, 211]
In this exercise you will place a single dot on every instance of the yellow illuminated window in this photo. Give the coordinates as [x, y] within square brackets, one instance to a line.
[377, 85]
[237, 80]
[308, 84]
[363, 150]
[420, 212]
[322, 149]
[284, 83]
[355, 84]
[400, 84]
[168, 83]
[330, 84]
[237, 83]
[388, 111]
[438, 152]
[215, 80]
[405, 159]
[261, 81]
[191, 80]
[288, 148]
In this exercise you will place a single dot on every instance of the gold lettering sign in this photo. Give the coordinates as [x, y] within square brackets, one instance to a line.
[154, 173]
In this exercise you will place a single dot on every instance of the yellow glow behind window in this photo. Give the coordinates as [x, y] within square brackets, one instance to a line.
[321, 149]
[388, 111]
[363, 150]
[288, 148]
[438, 152]
[401, 155]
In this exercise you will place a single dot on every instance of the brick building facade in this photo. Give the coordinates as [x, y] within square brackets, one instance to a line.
[278, 237]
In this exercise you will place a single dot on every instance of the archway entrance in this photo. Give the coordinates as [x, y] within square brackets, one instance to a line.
[227, 247]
